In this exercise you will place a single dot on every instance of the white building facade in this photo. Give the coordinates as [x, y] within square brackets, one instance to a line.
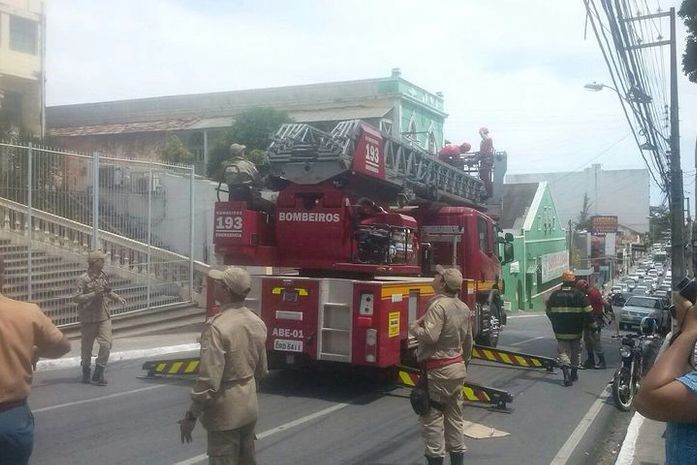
[624, 193]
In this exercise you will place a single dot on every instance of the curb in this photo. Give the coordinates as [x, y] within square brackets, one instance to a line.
[71, 362]
[626, 455]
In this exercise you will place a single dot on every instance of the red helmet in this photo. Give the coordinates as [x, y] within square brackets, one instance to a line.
[582, 284]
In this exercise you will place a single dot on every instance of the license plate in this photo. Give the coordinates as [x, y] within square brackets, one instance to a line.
[288, 345]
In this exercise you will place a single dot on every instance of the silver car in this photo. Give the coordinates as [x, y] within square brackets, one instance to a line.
[637, 307]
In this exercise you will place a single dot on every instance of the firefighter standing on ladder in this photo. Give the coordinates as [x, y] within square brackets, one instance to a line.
[569, 311]
[445, 347]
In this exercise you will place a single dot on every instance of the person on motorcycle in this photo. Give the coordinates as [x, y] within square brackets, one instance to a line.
[591, 336]
[569, 311]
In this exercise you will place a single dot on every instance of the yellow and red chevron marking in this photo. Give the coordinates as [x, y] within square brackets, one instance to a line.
[185, 366]
[510, 358]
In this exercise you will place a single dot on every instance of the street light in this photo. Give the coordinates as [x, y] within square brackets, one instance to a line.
[634, 94]
[597, 87]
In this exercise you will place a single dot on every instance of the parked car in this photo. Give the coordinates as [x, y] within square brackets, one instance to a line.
[637, 307]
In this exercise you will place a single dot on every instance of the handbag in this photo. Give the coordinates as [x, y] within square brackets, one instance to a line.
[420, 402]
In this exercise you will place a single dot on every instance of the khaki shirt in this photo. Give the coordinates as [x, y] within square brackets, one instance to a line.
[241, 172]
[22, 326]
[92, 306]
[233, 360]
[445, 333]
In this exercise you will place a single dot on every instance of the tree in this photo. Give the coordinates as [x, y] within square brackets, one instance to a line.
[584, 220]
[174, 151]
[688, 12]
[255, 129]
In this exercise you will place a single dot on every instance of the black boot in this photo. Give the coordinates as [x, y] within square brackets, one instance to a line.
[86, 371]
[567, 378]
[574, 375]
[434, 460]
[590, 362]
[457, 458]
[98, 377]
[601, 362]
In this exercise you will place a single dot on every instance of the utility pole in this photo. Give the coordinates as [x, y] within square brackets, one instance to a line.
[677, 216]
[677, 223]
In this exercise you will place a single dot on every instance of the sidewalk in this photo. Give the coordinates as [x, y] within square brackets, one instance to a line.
[132, 347]
[644, 443]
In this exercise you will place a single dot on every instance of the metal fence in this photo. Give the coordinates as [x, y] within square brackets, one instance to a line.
[55, 206]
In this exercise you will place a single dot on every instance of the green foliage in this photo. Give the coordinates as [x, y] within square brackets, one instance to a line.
[688, 12]
[584, 220]
[174, 151]
[659, 222]
[255, 129]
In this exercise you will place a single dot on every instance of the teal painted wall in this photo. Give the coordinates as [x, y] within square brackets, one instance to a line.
[525, 289]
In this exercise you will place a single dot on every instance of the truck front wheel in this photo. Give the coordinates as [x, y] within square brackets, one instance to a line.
[489, 333]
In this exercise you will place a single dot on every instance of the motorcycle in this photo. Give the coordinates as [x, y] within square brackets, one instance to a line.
[638, 351]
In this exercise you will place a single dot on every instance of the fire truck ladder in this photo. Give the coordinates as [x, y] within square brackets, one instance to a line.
[306, 155]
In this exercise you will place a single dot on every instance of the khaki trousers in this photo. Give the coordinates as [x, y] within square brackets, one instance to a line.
[569, 352]
[444, 430]
[232, 447]
[101, 331]
[592, 341]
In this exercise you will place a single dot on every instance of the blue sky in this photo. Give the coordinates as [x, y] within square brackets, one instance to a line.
[515, 67]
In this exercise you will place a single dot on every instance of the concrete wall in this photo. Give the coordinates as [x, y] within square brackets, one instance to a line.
[624, 193]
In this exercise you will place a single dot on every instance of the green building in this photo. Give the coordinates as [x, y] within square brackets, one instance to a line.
[540, 245]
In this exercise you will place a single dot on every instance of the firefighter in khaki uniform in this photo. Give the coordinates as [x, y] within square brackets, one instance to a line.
[569, 311]
[445, 347]
[92, 298]
[233, 360]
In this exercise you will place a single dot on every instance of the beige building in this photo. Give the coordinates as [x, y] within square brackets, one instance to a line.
[22, 26]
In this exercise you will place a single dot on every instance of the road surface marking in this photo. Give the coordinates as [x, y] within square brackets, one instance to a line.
[626, 455]
[272, 431]
[570, 445]
[525, 341]
[96, 399]
[72, 362]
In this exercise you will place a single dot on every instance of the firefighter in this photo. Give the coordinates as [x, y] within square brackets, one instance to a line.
[445, 348]
[451, 153]
[486, 160]
[591, 335]
[93, 296]
[244, 181]
[233, 361]
[570, 312]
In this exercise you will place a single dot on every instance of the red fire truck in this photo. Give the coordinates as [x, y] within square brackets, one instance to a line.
[359, 222]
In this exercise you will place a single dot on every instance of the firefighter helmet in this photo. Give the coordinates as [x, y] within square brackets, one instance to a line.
[582, 284]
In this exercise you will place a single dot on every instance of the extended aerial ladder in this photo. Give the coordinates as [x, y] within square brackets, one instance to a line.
[303, 154]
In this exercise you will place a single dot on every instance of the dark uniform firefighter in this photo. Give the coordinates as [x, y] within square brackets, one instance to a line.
[569, 311]
[445, 347]
[233, 360]
[591, 336]
[93, 296]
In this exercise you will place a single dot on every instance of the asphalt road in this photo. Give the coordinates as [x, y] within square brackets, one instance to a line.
[330, 416]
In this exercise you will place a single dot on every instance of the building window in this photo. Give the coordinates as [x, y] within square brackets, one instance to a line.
[432, 142]
[23, 35]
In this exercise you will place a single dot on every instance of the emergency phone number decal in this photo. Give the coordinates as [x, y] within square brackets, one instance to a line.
[228, 224]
